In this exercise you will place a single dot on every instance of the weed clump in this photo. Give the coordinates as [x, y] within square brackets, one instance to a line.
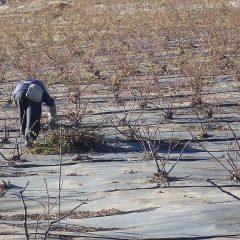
[71, 139]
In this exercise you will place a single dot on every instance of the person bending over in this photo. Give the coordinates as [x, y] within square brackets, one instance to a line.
[28, 96]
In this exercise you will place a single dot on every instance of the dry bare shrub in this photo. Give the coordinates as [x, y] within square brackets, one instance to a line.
[134, 126]
[195, 71]
[3, 61]
[140, 93]
[79, 96]
[60, 34]
[232, 155]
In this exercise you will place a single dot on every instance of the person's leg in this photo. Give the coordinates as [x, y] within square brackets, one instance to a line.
[22, 103]
[34, 111]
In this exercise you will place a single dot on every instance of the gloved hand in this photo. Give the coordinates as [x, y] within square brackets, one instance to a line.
[52, 115]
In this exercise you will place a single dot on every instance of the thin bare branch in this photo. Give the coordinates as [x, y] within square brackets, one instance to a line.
[179, 157]
[211, 154]
[25, 211]
[60, 218]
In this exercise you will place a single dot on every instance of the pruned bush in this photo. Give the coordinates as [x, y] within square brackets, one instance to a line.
[69, 139]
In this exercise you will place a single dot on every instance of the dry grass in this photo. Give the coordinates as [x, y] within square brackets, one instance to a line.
[73, 139]
[59, 43]
[73, 215]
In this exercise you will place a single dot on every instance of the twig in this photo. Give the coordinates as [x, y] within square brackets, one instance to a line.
[25, 211]
[179, 157]
[37, 221]
[154, 156]
[48, 203]
[4, 156]
[170, 145]
[229, 159]
[60, 218]
[60, 176]
[201, 124]
[235, 137]
[211, 154]
[224, 191]
[236, 141]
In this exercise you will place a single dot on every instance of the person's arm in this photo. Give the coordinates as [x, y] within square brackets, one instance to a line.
[52, 117]
[47, 99]
[50, 102]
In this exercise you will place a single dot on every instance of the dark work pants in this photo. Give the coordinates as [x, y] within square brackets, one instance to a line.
[29, 115]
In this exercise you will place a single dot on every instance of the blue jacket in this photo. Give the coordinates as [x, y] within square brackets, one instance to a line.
[24, 85]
